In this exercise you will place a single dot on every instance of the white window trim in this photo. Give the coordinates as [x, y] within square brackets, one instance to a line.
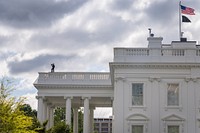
[138, 125]
[174, 124]
[138, 119]
[173, 120]
[144, 95]
[179, 106]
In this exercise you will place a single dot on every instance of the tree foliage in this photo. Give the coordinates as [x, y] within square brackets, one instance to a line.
[61, 127]
[26, 108]
[59, 118]
[12, 119]
[59, 115]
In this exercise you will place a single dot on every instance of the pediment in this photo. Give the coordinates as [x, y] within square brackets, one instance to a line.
[137, 117]
[173, 117]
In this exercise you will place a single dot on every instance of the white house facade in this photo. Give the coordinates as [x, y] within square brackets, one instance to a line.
[151, 90]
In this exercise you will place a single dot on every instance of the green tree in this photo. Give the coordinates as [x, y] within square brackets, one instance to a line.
[59, 115]
[12, 119]
[61, 127]
[28, 110]
[41, 127]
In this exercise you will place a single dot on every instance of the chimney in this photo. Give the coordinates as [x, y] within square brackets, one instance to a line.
[155, 42]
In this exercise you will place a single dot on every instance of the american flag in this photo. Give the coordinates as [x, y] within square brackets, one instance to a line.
[187, 10]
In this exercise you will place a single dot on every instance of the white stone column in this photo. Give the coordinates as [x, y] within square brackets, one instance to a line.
[51, 116]
[86, 125]
[40, 108]
[68, 110]
[75, 122]
[154, 83]
[44, 110]
[118, 105]
[48, 115]
[92, 120]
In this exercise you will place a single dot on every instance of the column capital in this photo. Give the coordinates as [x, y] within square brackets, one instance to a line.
[85, 97]
[123, 79]
[38, 97]
[68, 97]
[188, 79]
[152, 79]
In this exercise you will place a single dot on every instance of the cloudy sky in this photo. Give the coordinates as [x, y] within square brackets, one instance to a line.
[79, 35]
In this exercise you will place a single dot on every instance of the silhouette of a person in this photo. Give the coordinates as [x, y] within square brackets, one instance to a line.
[52, 67]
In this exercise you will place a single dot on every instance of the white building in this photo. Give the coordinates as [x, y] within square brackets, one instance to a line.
[103, 125]
[152, 90]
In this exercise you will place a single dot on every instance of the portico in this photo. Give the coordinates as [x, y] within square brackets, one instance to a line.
[61, 90]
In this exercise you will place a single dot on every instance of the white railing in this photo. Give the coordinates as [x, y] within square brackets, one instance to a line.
[172, 52]
[137, 51]
[72, 77]
[161, 52]
[157, 55]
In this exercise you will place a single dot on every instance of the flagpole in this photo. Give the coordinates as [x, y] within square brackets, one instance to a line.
[180, 32]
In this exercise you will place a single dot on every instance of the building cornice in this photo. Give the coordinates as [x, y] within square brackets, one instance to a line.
[53, 86]
[154, 65]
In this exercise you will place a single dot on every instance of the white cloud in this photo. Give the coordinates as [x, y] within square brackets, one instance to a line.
[31, 100]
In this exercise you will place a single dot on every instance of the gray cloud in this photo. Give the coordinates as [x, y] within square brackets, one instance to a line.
[121, 4]
[35, 13]
[38, 63]
[110, 29]
[162, 12]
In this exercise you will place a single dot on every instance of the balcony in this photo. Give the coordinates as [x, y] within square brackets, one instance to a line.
[74, 78]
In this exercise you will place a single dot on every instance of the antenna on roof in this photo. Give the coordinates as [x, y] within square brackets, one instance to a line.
[150, 34]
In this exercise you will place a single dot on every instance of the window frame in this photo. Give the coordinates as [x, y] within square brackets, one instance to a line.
[137, 105]
[178, 102]
[165, 87]
[131, 106]
[173, 120]
[143, 126]
[178, 125]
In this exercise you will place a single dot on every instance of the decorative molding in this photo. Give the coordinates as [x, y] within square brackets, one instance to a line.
[137, 117]
[188, 79]
[194, 79]
[120, 79]
[138, 107]
[173, 117]
[155, 65]
[86, 97]
[38, 97]
[68, 97]
[180, 108]
[152, 79]
[70, 86]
